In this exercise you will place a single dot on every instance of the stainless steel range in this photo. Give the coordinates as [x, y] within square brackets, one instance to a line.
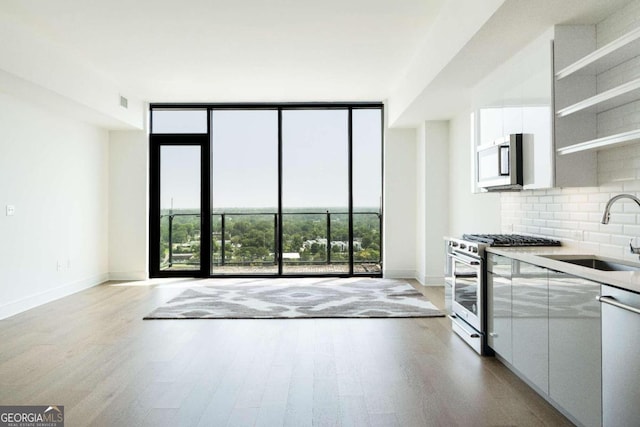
[465, 282]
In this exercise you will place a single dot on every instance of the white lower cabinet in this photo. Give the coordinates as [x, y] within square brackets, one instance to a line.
[575, 347]
[546, 325]
[499, 306]
[530, 319]
[499, 319]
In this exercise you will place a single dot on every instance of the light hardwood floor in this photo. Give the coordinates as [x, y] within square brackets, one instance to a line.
[93, 353]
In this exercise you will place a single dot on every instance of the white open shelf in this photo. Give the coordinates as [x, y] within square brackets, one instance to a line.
[604, 142]
[608, 56]
[619, 95]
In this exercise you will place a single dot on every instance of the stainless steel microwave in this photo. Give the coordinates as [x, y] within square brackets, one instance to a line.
[499, 165]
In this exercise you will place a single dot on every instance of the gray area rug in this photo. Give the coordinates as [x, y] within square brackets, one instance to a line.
[298, 298]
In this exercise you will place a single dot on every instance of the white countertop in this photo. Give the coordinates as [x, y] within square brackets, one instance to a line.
[628, 280]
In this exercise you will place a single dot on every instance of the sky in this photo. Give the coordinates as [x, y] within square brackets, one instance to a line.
[245, 159]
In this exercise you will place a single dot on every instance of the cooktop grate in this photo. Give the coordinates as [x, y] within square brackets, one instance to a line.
[510, 240]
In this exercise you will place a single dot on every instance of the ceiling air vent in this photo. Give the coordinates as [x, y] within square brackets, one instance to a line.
[124, 102]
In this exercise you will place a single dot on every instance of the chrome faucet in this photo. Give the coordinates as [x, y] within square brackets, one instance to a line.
[607, 213]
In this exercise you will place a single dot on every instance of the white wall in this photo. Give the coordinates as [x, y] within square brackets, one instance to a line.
[468, 212]
[432, 199]
[399, 220]
[128, 205]
[55, 172]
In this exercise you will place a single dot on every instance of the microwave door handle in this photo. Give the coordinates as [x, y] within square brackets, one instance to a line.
[503, 161]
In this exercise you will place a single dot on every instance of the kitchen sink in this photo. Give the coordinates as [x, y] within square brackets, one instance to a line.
[597, 263]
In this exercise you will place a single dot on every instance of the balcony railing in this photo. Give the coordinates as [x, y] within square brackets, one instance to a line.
[249, 241]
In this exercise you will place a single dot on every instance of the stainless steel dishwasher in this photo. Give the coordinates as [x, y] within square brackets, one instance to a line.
[620, 357]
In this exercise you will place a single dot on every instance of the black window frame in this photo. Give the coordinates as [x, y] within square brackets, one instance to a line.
[157, 140]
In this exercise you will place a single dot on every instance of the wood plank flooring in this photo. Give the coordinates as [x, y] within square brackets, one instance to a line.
[93, 353]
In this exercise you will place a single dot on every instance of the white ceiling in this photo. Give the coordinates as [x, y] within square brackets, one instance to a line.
[296, 50]
[238, 50]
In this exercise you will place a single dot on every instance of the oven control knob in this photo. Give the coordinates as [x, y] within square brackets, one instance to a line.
[474, 249]
[454, 244]
[463, 246]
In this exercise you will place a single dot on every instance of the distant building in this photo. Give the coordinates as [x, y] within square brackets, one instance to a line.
[290, 255]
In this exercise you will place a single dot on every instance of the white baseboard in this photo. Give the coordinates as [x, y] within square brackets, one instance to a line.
[399, 274]
[129, 275]
[14, 307]
[431, 280]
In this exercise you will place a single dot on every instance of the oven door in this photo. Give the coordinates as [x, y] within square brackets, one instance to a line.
[467, 291]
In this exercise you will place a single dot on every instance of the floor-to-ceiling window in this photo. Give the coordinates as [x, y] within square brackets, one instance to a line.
[315, 190]
[244, 197]
[266, 190]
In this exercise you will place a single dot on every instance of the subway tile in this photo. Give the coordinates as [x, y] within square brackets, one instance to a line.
[631, 207]
[590, 247]
[588, 190]
[611, 228]
[578, 198]
[631, 230]
[623, 218]
[576, 235]
[517, 228]
[546, 199]
[532, 230]
[547, 231]
[597, 237]
[598, 197]
[561, 199]
[571, 225]
[579, 216]
[590, 226]
[590, 207]
[539, 222]
[552, 223]
[620, 240]
[553, 191]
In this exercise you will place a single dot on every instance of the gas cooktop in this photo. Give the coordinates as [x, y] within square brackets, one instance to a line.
[510, 240]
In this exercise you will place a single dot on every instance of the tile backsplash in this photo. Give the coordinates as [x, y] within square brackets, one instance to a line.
[573, 215]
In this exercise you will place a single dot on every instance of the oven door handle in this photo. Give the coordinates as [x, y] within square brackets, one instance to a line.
[465, 260]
